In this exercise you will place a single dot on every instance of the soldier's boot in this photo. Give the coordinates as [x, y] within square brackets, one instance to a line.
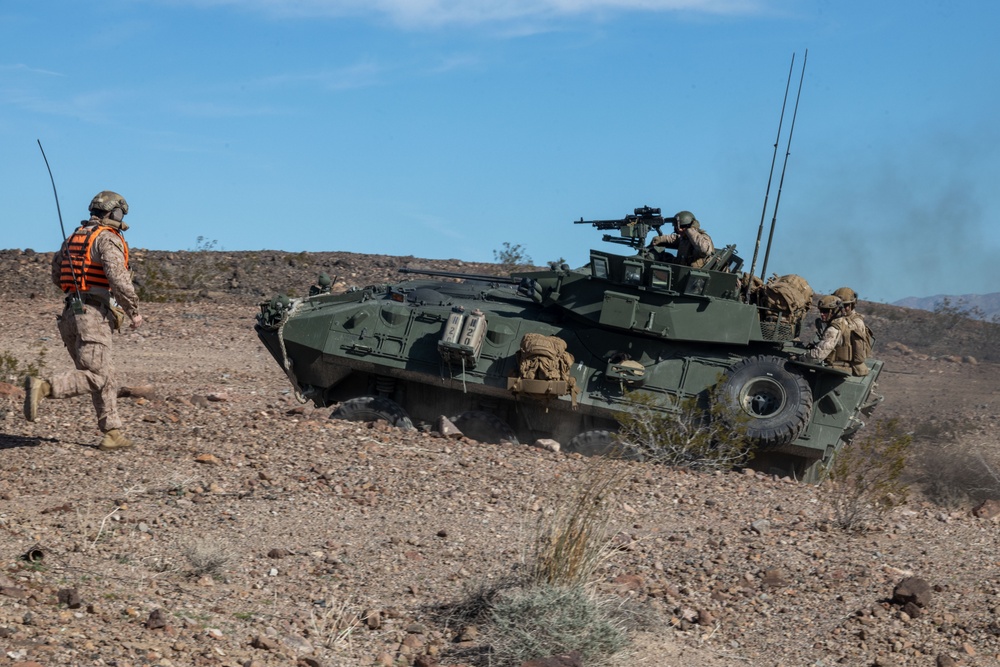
[35, 389]
[114, 440]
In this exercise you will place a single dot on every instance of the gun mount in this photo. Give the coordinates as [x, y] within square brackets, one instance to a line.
[634, 227]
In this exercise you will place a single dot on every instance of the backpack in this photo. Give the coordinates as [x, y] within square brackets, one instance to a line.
[543, 358]
[789, 295]
[545, 363]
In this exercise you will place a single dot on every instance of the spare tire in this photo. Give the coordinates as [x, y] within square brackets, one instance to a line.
[771, 402]
[373, 408]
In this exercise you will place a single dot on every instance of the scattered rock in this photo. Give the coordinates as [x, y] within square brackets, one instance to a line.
[913, 590]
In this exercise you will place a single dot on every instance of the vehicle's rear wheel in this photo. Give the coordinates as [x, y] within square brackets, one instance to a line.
[484, 427]
[770, 402]
[373, 408]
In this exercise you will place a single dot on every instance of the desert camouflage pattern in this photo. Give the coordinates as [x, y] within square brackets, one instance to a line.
[88, 336]
[828, 342]
[106, 200]
[108, 251]
[693, 245]
[835, 348]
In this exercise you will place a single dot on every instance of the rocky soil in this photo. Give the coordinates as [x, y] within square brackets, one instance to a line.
[246, 529]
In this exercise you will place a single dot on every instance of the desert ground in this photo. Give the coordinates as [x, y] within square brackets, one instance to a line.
[246, 529]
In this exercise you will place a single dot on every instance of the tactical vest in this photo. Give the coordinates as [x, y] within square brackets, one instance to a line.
[687, 252]
[855, 345]
[77, 260]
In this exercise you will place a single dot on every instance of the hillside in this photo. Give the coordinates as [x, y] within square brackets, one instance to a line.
[248, 530]
[980, 306]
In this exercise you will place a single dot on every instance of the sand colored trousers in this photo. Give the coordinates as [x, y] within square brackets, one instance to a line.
[88, 339]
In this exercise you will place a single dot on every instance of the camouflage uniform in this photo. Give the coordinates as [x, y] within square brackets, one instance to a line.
[835, 346]
[88, 336]
[693, 245]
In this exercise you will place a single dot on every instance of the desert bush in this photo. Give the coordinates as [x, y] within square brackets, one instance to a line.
[547, 620]
[866, 477]
[956, 472]
[572, 542]
[13, 370]
[698, 433]
[511, 256]
[160, 281]
[333, 624]
[547, 605]
[207, 557]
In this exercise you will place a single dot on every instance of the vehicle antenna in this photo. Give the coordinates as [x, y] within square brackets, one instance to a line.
[770, 176]
[777, 199]
[78, 302]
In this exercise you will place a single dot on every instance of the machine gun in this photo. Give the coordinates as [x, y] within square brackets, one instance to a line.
[634, 227]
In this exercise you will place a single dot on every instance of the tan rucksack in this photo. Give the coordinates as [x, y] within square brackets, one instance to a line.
[788, 295]
[543, 367]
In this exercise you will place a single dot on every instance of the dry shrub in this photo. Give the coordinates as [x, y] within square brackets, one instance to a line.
[13, 369]
[697, 433]
[956, 472]
[551, 608]
[548, 620]
[334, 625]
[866, 479]
[573, 541]
[187, 280]
[208, 557]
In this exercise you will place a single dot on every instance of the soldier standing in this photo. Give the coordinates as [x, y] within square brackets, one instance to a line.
[92, 269]
[693, 245]
[846, 342]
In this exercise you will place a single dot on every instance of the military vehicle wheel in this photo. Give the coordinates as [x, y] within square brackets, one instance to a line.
[777, 401]
[484, 427]
[373, 408]
[591, 443]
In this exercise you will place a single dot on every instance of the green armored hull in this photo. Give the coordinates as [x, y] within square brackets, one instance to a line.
[452, 345]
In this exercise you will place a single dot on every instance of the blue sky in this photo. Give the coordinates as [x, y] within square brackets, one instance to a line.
[445, 128]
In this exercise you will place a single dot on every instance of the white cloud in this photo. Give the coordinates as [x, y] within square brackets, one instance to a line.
[27, 69]
[439, 13]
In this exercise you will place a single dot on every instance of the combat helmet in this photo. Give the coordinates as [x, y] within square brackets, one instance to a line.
[830, 302]
[106, 200]
[848, 296]
[685, 219]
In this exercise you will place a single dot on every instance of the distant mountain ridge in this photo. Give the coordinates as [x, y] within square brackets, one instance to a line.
[980, 306]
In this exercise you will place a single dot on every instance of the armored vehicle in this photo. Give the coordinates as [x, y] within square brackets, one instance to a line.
[558, 353]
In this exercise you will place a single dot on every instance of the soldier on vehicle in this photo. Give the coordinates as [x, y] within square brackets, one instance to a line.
[693, 245]
[849, 298]
[846, 341]
[92, 269]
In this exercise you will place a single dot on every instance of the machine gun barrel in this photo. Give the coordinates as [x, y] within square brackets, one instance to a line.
[634, 227]
[466, 276]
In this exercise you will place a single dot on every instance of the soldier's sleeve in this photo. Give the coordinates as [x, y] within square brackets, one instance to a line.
[112, 257]
[668, 240]
[826, 344]
[701, 241]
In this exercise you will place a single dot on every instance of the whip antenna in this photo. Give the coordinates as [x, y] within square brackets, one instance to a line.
[777, 199]
[770, 177]
[78, 304]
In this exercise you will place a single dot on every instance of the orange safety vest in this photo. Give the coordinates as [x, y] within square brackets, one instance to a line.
[77, 260]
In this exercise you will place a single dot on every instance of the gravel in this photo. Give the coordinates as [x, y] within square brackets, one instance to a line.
[247, 529]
